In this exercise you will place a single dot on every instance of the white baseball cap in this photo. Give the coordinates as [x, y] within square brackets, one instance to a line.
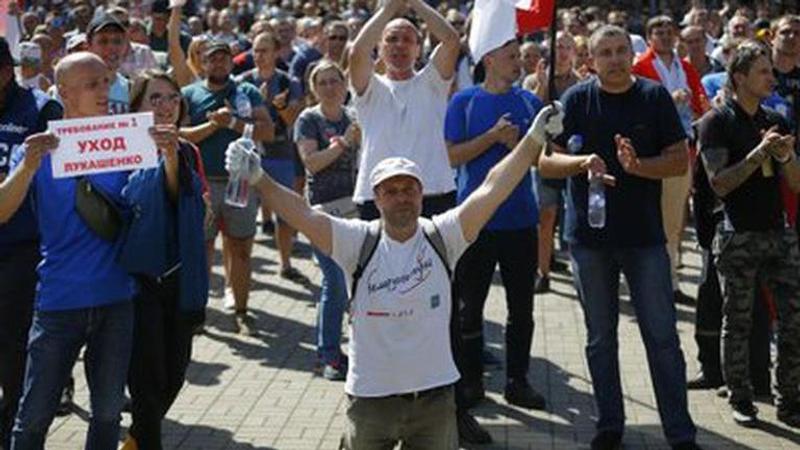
[392, 167]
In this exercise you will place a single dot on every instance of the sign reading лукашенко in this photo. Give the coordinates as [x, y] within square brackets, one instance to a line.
[103, 144]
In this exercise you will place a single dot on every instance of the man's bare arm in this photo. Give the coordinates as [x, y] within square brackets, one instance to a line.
[292, 208]
[724, 179]
[445, 55]
[360, 59]
[672, 162]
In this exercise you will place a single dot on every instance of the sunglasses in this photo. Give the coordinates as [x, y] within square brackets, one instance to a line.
[335, 37]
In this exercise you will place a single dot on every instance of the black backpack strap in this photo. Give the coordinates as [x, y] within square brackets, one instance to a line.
[368, 247]
[436, 240]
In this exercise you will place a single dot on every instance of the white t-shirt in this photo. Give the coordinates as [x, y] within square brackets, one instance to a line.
[399, 329]
[405, 118]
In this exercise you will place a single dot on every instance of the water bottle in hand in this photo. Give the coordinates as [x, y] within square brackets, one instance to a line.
[237, 193]
[597, 202]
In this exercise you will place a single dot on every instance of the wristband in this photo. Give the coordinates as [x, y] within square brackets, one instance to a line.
[232, 124]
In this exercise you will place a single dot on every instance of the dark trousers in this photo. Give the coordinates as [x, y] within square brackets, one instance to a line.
[162, 348]
[515, 251]
[708, 329]
[17, 293]
[431, 205]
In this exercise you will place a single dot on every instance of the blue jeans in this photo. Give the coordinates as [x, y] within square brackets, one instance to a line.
[647, 271]
[332, 301]
[55, 339]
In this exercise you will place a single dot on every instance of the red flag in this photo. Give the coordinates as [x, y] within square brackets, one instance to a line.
[537, 15]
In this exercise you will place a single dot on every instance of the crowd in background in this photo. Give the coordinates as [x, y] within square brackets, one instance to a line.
[302, 80]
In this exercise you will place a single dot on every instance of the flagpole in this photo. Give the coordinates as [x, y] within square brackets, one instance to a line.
[551, 70]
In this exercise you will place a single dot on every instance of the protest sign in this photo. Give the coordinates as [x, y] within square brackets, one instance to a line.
[103, 144]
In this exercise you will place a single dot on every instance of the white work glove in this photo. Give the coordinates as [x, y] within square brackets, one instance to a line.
[548, 123]
[243, 159]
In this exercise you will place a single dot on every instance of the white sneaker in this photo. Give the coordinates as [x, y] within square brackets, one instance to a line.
[228, 302]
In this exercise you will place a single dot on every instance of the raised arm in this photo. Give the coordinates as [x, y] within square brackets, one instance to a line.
[177, 58]
[506, 175]
[289, 206]
[360, 59]
[445, 55]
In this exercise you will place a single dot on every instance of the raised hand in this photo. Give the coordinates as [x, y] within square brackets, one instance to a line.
[626, 154]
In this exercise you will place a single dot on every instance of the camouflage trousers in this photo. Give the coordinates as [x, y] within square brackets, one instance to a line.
[747, 259]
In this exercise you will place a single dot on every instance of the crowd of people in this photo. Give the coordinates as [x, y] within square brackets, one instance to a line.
[414, 169]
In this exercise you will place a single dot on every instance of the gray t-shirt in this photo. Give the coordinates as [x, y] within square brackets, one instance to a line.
[338, 179]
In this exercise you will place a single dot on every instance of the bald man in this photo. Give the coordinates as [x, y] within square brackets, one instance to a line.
[402, 111]
[84, 296]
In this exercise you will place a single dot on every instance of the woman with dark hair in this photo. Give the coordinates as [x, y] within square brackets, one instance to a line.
[165, 250]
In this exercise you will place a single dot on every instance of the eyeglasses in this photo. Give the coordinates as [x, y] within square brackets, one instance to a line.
[157, 99]
[334, 37]
[457, 23]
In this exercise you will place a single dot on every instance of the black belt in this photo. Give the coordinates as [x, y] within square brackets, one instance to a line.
[416, 395]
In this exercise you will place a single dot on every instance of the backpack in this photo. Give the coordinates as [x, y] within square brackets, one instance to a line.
[370, 244]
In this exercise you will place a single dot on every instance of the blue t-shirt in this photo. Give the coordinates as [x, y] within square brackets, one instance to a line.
[646, 114]
[304, 56]
[78, 268]
[471, 113]
[202, 101]
[26, 112]
[713, 82]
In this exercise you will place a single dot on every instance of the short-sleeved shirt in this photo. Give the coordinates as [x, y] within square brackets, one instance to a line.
[78, 268]
[26, 112]
[646, 114]
[402, 306]
[201, 101]
[338, 179]
[297, 67]
[281, 146]
[756, 204]
[471, 113]
[405, 118]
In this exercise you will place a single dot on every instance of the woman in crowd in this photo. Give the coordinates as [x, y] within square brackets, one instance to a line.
[327, 139]
[165, 249]
[186, 70]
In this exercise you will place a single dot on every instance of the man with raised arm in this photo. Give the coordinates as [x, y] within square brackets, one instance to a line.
[401, 373]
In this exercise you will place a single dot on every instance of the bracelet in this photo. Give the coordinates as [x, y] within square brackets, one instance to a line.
[232, 124]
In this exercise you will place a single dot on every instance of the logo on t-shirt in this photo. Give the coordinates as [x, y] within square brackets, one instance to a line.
[406, 282]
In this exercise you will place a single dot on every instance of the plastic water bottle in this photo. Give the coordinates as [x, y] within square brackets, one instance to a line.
[237, 192]
[597, 202]
[243, 107]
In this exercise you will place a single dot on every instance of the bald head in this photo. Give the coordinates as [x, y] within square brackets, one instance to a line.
[73, 65]
[401, 23]
[83, 81]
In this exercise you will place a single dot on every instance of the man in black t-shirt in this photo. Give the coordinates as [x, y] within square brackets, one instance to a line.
[632, 138]
[746, 150]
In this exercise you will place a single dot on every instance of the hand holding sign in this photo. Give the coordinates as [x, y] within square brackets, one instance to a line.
[36, 146]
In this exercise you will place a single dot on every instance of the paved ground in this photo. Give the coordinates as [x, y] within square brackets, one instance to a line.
[261, 392]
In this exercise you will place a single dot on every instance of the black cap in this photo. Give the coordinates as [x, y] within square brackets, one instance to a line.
[6, 59]
[217, 46]
[101, 22]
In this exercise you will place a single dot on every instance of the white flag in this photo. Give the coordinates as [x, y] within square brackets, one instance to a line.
[493, 24]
